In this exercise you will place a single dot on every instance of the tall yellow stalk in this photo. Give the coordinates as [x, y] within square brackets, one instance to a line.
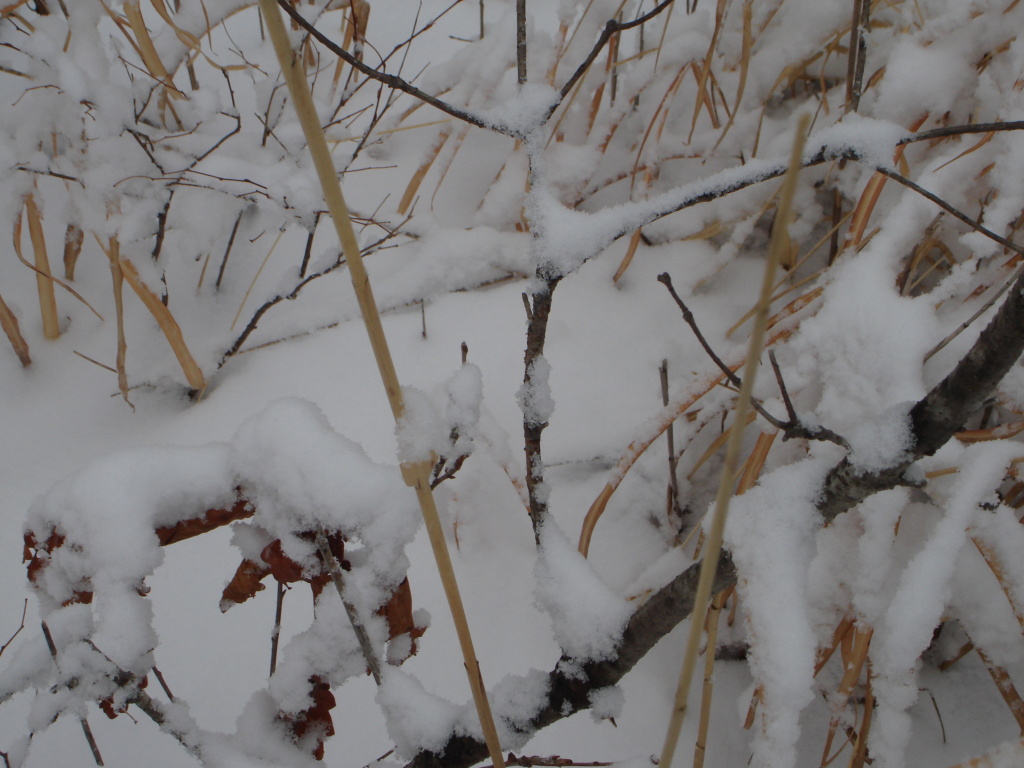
[44, 281]
[717, 528]
[416, 475]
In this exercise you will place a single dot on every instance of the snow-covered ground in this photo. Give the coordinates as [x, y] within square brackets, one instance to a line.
[299, 422]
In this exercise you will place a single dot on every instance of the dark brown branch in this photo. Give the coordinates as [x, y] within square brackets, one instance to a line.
[972, 223]
[960, 130]
[536, 334]
[611, 27]
[521, 41]
[943, 411]
[24, 612]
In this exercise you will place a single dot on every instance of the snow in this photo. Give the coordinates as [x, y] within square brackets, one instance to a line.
[587, 616]
[296, 423]
[778, 517]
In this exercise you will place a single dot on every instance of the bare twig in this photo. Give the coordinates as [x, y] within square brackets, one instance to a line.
[275, 636]
[24, 612]
[521, 41]
[673, 481]
[353, 615]
[611, 27]
[793, 427]
[392, 81]
[85, 723]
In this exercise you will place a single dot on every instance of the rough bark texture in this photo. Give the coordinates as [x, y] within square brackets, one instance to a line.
[935, 419]
[536, 335]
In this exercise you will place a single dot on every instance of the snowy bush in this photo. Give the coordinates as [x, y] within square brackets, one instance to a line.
[608, 172]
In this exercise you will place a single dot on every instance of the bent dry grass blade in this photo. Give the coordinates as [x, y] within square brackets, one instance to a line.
[416, 475]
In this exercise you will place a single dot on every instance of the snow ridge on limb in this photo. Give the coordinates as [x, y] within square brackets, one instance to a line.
[935, 419]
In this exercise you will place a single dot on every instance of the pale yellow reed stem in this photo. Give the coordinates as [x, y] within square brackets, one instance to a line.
[717, 528]
[416, 475]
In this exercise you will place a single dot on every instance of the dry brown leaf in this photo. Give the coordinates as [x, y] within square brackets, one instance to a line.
[208, 521]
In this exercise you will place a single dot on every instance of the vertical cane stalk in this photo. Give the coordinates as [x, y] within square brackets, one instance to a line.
[717, 527]
[416, 475]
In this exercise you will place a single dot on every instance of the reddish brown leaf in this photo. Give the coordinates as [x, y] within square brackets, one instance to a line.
[244, 584]
[283, 567]
[208, 521]
[398, 614]
[316, 720]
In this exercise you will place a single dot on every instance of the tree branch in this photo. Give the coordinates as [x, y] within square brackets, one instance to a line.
[935, 419]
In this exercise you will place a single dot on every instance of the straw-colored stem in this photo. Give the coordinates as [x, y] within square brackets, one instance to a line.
[1006, 688]
[700, 749]
[416, 475]
[44, 282]
[994, 564]
[113, 251]
[73, 238]
[9, 323]
[717, 528]
[169, 326]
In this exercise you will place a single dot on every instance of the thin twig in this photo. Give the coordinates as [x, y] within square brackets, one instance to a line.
[956, 212]
[969, 321]
[24, 611]
[521, 41]
[393, 81]
[94, 748]
[275, 637]
[331, 563]
[782, 386]
[611, 27]
[794, 427]
[163, 683]
[960, 130]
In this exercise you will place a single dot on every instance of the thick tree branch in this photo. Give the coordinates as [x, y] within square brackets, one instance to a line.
[934, 419]
[569, 687]
[536, 333]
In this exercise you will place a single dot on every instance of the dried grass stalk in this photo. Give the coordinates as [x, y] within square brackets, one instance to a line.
[164, 318]
[855, 653]
[1006, 688]
[997, 757]
[73, 238]
[416, 475]
[755, 462]
[113, 252]
[150, 57]
[707, 690]
[1001, 432]
[717, 529]
[634, 243]
[9, 323]
[869, 197]
[417, 178]
[994, 564]
[716, 446]
[44, 280]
